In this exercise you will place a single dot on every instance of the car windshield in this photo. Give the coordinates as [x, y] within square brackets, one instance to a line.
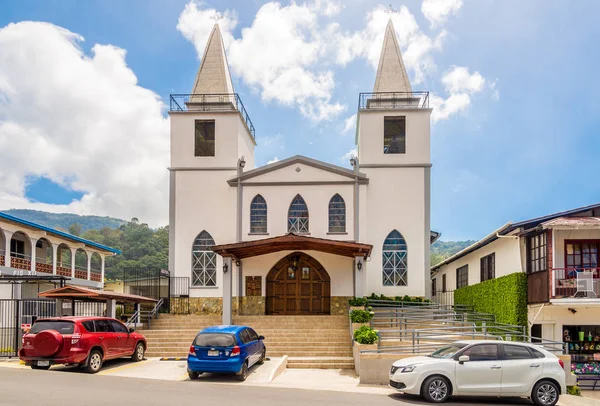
[63, 327]
[448, 351]
[215, 340]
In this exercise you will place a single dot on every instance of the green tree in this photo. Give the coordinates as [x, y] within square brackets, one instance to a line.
[75, 229]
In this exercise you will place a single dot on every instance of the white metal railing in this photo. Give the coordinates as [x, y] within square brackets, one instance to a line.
[576, 282]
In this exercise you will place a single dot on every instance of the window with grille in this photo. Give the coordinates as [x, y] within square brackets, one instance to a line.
[258, 215]
[395, 260]
[488, 267]
[337, 214]
[536, 253]
[204, 261]
[298, 216]
[394, 135]
[581, 254]
[462, 276]
[204, 139]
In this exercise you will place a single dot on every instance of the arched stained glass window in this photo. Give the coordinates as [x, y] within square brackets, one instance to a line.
[298, 216]
[395, 260]
[337, 214]
[258, 215]
[204, 261]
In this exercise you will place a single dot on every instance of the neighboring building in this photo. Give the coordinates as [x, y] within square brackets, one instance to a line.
[559, 253]
[298, 236]
[35, 258]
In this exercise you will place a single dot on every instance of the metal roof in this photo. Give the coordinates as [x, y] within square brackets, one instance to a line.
[78, 293]
[59, 233]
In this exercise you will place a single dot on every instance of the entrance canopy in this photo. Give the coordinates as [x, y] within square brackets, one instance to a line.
[292, 242]
[79, 293]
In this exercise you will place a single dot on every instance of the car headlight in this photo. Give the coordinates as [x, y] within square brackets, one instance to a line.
[402, 369]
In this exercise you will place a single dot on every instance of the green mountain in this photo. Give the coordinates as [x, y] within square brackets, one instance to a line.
[441, 250]
[62, 221]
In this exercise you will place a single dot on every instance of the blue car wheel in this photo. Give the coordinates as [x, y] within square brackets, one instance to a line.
[243, 374]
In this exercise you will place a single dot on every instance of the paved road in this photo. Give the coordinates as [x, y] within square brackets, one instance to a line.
[24, 386]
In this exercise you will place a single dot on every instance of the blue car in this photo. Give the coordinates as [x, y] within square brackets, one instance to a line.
[225, 349]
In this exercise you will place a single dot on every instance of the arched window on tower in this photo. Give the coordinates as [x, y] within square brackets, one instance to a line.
[395, 260]
[258, 215]
[337, 214]
[298, 216]
[204, 261]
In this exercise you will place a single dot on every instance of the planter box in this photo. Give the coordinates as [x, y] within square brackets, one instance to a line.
[356, 349]
[356, 326]
[357, 308]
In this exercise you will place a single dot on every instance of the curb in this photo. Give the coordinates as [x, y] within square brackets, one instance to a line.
[173, 359]
[278, 370]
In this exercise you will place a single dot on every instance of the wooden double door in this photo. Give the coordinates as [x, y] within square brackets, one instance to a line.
[298, 284]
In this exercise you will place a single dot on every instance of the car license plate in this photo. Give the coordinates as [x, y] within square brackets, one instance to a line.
[213, 353]
[43, 363]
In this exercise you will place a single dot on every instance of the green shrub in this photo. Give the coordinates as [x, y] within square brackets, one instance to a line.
[574, 390]
[360, 316]
[358, 301]
[365, 335]
[406, 299]
[505, 297]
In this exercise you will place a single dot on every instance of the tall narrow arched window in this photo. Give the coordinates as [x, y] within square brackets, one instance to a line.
[337, 214]
[298, 216]
[258, 215]
[395, 260]
[204, 261]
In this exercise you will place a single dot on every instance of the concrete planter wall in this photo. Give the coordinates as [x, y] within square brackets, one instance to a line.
[356, 349]
[375, 368]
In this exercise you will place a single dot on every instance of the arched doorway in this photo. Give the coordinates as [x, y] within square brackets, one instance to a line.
[298, 284]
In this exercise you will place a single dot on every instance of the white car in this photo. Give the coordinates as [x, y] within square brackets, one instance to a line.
[482, 368]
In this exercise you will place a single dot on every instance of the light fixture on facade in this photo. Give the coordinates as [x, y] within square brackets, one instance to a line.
[238, 262]
[242, 162]
[225, 268]
[359, 265]
[353, 161]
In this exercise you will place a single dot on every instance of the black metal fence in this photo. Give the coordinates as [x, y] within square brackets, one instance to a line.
[158, 284]
[17, 313]
[211, 102]
[393, 100]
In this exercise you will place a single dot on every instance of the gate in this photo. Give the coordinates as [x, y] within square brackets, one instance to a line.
[158, 284]
[179, 295]
[14, 313]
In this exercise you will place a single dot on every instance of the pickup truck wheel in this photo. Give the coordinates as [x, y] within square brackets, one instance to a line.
[94, 362]
[42, 368]
[138, 353]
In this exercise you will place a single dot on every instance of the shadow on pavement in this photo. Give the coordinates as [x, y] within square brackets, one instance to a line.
[224, 377]
[458, 400]
[107, 366]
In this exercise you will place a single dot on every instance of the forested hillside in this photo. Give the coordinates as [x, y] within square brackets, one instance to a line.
[63, 221]
[441, 250]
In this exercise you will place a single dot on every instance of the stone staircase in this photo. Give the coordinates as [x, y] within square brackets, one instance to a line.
[321, 342]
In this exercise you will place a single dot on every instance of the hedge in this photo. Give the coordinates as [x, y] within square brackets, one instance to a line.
[505, 297]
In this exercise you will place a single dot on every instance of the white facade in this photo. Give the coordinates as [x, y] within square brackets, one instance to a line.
[382, 193]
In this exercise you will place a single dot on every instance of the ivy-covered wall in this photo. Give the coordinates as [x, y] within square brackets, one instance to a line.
[506, 297]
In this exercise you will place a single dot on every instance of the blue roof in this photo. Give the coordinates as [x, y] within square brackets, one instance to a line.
[59, 233]
[223, 329]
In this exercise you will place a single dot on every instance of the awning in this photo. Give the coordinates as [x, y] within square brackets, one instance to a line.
[292, 242]
[79, 293]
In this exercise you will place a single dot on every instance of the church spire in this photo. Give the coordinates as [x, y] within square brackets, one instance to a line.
[213, 76]
[391, 73]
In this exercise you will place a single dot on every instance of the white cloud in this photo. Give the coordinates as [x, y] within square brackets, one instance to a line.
[81, 121]
[272, 161]
[349, 124]
[437, 11]
[460, 80]
[278, 54]
[444, 108]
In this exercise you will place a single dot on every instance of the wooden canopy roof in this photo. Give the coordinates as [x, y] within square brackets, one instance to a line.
[292, 242]
[79, 293]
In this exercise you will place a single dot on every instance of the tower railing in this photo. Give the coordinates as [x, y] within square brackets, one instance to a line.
[211, 102]
[393, 100]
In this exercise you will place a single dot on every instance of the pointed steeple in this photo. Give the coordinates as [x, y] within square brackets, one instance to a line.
[213, 76]
[391, 73]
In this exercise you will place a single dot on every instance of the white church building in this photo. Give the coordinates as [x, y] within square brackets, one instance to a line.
[298, 236]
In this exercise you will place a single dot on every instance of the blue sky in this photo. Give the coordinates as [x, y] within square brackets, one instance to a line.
[524, 145]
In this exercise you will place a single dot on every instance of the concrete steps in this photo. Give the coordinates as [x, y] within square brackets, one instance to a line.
[320, 362]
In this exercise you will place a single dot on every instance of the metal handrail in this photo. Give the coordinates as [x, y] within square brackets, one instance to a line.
[133, 318]
[155, 310]
[393, 100]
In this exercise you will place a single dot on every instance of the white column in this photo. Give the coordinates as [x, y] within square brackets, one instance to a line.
[8, 236]
[359, 278]
[102, 269]
[111, 308]
[89, 265]
[33, 242]
[227, 282]
[73, 252]
[54, 257]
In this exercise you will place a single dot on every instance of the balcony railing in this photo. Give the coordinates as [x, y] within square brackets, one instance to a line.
[96, 276]
[211, 102]
[20, 261]
[575, 283]
[393, 100]
[63, 270]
